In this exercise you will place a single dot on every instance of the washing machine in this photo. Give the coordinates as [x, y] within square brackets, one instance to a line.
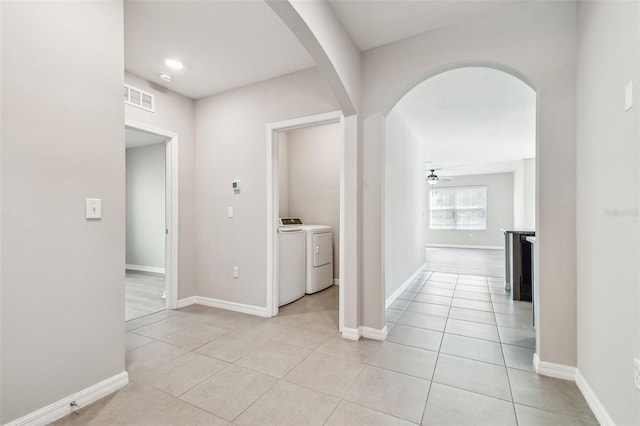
[318, 254]
[291, 263]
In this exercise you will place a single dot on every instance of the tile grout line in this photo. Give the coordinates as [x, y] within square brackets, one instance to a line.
[342, 398]
[478, 393]
[367, 363]
[279, 379]
[435, 365]
[506, 370]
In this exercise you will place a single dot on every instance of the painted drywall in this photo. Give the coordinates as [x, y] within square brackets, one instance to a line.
[524, 195]
[529, 193]
[314, 179]
[175, 113]
[283, 173]
[351, 242]
[608, 202]
[146, 205]
[62, 304]
[518, 196]
[231, 144]
[404, 188]
[499, 213]
[537, 42]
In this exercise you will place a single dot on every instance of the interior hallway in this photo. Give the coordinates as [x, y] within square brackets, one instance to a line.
[458, 352]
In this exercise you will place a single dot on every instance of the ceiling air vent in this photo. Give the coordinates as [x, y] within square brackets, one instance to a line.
[138, 98]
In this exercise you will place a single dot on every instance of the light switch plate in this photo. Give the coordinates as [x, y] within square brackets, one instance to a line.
[628, 96]
[93, 208]
[229, 211]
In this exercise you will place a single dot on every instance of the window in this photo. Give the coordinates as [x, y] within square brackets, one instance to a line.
[459, 208]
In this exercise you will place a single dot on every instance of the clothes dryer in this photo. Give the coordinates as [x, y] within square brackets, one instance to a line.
[319, 257]
[318, 254]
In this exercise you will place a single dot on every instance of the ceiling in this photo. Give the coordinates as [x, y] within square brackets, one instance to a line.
[225, 44]
[375, 23]
[135, 138]
[472, 120]
[222, 44]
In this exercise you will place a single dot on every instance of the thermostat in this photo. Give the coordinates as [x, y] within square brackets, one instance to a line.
[235, 185]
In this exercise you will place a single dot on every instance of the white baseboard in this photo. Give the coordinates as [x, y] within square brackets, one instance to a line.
[551, 369]
[404, 286]
[188, 301]
[222, 304]
[336, 281]
[594, 403]
[61, 408]
[232, 306]
[367, 332]
[141, 268]
[566, 372]
[465, 246]
[374, 333]
[351, 333]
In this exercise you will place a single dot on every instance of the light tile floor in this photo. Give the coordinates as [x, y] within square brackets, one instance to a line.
[143, 293]
[450, 359]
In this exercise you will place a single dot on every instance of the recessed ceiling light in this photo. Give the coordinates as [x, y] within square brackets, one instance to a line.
[165, 76]
[174, 64]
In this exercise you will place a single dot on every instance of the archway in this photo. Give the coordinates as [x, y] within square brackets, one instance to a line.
[476, 123]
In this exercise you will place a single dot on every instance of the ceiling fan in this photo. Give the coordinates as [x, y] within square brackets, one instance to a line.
[433, 178]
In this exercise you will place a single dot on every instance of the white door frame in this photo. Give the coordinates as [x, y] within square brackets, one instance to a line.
[171, 208]
[273, 207]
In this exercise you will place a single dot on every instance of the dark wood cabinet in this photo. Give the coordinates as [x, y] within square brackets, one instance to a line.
[518, 264]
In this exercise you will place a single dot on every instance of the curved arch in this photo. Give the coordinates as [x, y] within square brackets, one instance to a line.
[458, 65]
[461, 65]
[331, 48]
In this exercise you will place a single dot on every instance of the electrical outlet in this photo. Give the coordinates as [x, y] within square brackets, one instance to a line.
[236, 272]
[636, 372]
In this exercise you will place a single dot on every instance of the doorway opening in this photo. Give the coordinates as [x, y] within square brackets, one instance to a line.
[305, 180]
[462, 145]
[152, 222]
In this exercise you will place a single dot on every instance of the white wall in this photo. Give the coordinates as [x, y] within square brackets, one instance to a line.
[537, 41]
[524, 195]
[231, 144]
[314, 179]
[499, 213]
[608, 202]
[518, 197]
[404, 186]
[62, 304]
[529, 193]
[175, 113]
[283, 173]
[146, 205]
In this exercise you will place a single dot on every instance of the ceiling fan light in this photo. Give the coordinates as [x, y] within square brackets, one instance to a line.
[432, 178]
